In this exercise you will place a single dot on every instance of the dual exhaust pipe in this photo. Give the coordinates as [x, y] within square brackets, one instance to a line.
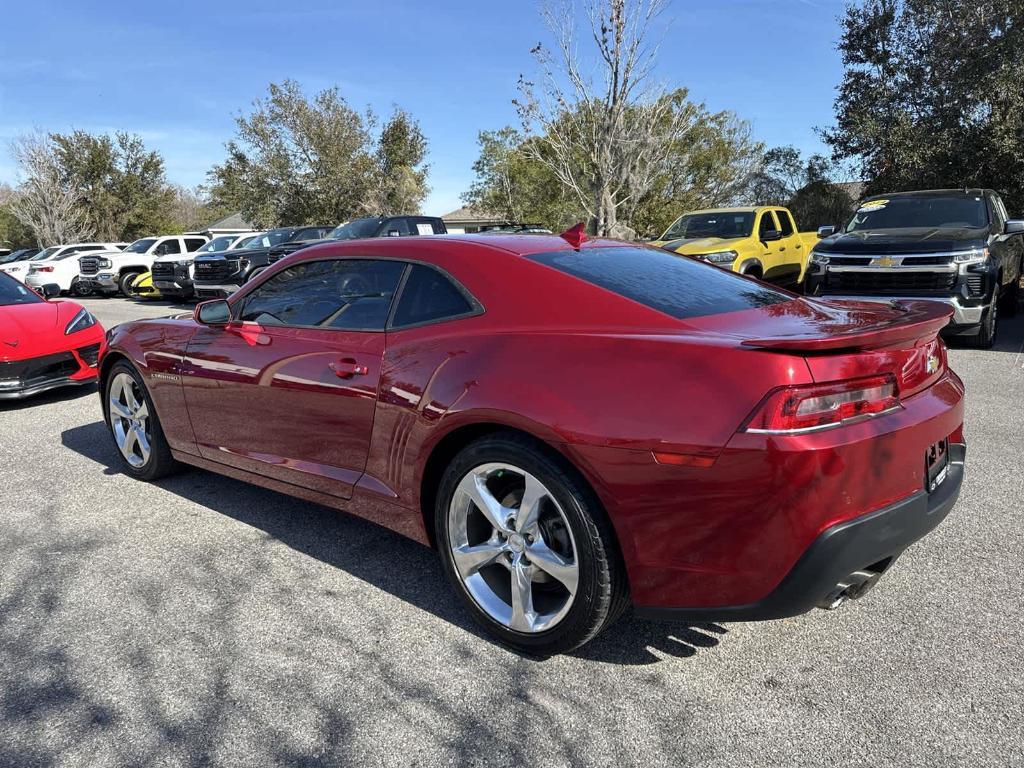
[854, 586]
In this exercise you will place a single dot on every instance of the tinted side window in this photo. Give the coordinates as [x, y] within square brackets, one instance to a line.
[785, 223]
[429, 296]
[352, 294]
[168, 246]
[194, 243]
[767, 223]
[677, 286]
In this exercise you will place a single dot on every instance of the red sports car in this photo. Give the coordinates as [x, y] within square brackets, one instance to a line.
[44, 344]
[576, 428]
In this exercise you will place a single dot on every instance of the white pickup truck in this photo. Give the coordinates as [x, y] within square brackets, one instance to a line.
[110, 272]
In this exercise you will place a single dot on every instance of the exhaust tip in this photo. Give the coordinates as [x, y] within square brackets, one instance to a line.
[853, 587]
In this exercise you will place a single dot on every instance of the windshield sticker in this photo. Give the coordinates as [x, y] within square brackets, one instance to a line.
[872, 205]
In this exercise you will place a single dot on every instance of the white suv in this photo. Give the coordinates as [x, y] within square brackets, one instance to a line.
[173, 273]
[20, 269]
[61, 266]
[110, 272]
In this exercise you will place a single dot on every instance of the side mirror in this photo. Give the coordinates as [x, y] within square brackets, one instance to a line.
[826, 231]
[771, 234]
[1013, 227]
[50, 291]
[214, 312]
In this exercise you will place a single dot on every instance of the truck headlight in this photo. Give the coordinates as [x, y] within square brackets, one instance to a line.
[80, 322]
[104, 263]
[974, 256]
[719, 257]
[819, 258]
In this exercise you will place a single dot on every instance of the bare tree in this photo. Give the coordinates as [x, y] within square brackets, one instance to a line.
[606, 137]
[43, 202]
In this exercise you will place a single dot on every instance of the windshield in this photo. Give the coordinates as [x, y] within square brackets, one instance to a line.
[352, 230]
[218, 244]
[931, 212]
[45, 254]
[723, 224]
[274, 237]
[14, 256]
[13, 292]
[141, 246]
[251, 241]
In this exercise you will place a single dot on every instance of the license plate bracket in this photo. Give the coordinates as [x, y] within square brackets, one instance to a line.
[936, 465]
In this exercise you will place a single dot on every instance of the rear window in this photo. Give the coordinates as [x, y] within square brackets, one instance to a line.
[676, 285]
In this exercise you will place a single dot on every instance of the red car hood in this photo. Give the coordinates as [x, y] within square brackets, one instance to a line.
[31, 330]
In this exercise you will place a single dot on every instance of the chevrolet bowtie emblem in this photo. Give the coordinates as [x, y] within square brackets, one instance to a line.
[887, 261]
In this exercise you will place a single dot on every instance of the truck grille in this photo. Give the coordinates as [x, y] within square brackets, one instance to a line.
[89, 265]
[907, 261]
[215, 270]
[896, 280]
[163, 270]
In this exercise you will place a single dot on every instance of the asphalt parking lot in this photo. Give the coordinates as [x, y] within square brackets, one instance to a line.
[202, 621]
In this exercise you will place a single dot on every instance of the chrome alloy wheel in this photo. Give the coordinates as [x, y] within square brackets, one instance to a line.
[129, 419]
[513, 547]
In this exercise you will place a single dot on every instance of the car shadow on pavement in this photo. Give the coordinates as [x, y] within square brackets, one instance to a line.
[380, 557]
[63, 394]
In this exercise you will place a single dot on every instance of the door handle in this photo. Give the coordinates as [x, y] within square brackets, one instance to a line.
[782, 248]
[347, 367]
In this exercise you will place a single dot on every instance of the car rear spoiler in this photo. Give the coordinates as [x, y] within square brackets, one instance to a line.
[919, 320]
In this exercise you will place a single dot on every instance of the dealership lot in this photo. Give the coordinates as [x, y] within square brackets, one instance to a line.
[204, 618]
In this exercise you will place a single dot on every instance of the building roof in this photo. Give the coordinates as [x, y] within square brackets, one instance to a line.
[469, 215]
[234, 221]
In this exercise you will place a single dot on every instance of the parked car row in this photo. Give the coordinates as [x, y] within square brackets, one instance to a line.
[955, 246]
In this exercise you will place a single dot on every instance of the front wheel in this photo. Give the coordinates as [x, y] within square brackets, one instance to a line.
[986, 335]
[125, 282]
[134, 425]
[527, 546]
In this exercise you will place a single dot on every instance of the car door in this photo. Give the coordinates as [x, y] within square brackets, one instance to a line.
[289, 388]
[788, 251]
[769, 254]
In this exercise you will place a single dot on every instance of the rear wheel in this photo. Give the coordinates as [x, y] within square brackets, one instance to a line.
[134, 425]
[78, 288]
[527, 546]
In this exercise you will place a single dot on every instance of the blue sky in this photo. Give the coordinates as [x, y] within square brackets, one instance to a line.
[178, 73]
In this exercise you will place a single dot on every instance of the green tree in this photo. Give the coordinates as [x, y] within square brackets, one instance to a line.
[299, 160]
[931, 96]
[13, 233]
[121, 185]
[805, 187]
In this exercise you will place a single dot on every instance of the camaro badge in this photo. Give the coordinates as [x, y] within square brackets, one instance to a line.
[932, 364]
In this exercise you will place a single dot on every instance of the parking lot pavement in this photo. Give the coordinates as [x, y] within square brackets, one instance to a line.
[204, 621]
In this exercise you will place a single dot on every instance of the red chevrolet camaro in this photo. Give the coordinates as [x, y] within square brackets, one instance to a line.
[44, 344]
[576, 428]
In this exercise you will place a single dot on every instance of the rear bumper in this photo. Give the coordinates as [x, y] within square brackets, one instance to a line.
[872, 540]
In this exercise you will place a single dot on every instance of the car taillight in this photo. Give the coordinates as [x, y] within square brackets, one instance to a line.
[820, 406]
[43, 269]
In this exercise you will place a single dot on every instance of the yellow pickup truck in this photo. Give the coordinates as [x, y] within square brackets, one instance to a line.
[762, 241]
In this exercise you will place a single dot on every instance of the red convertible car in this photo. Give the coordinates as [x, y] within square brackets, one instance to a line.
[577, 428]
[44, 344]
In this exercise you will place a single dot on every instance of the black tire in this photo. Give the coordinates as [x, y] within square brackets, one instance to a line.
[124, 283]
[602, 593]
[986, 335]
[1010, 299]
[160, 462]
[78, 289]
[754, 272]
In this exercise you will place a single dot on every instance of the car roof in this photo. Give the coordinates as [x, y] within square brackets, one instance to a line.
[962, 192]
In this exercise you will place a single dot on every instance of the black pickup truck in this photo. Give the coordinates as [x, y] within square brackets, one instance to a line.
[220, 275]
[957, 246]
